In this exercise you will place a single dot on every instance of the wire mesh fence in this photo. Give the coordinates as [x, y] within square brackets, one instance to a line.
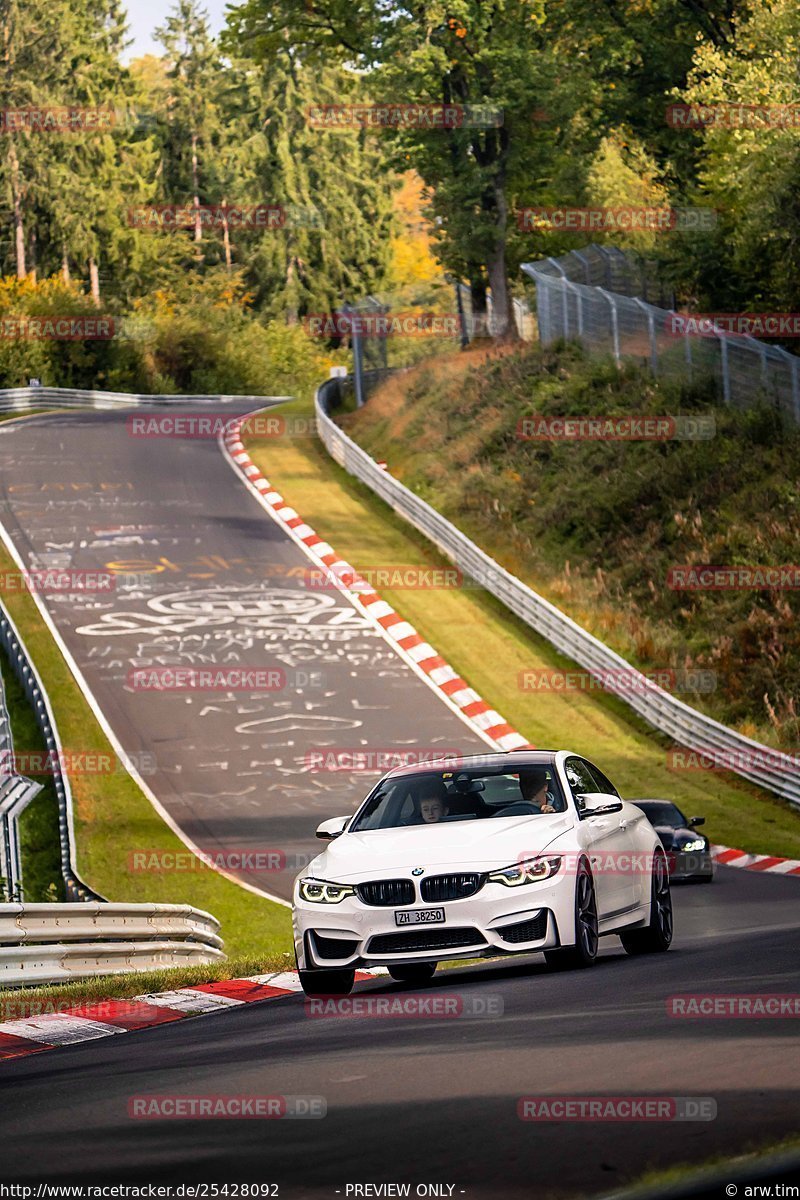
[612, 303]
[398, 329]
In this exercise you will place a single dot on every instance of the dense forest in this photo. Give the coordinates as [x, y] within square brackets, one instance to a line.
[93, 152]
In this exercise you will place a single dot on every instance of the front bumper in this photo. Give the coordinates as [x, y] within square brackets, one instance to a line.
[690, 864]
[496, 920]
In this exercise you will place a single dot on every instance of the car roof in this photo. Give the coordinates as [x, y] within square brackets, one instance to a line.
[512, 761]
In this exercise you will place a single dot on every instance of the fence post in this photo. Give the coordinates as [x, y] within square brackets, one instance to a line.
[726, 381]
[614, 322]
[651, 329]
[358, 361]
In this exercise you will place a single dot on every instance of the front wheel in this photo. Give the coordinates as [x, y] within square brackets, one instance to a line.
[657, 935]
[413, 972]
[327, 983]
[587, 940]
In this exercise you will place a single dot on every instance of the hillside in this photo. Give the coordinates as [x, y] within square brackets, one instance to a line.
[596, 526]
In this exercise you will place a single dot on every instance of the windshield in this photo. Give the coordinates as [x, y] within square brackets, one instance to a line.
[663, 814]
[431, 797]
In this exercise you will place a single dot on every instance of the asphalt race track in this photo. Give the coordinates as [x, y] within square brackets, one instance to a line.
[205, 578]
[435, 1100]
[419, 1100]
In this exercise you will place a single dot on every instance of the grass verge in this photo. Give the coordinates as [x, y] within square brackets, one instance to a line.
[751, 1155]
[16, 1003]
[38, 824]
[114, 819]
[489, 647]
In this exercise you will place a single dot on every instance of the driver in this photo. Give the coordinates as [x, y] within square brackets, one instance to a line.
[533, 786]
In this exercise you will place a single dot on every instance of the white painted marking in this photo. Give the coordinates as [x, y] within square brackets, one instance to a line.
[59, 1029]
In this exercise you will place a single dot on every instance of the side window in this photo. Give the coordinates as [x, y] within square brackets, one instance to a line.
[579, 776]
[604, 783]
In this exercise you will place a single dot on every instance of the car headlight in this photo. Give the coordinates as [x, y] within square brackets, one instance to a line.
[531, 871]
[697, 844]
[322, 891]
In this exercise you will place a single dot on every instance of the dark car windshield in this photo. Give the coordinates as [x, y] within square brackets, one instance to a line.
[430, 797]
[659, 812]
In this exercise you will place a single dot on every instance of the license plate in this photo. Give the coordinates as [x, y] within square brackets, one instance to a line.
[419, 916]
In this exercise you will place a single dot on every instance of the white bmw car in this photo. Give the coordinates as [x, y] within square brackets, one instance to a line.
[477, 857]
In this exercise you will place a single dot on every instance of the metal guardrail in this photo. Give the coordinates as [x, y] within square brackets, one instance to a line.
[686, 726]
[16, 793]
[26, 673]
[51, 943]
[20, 399]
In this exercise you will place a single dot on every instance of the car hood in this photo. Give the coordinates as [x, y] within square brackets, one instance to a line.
[478, 845]
[669, 835]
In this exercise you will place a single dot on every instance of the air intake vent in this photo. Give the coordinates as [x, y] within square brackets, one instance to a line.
[450, 887]
[425, 939]
[532, 930]
[386, 893]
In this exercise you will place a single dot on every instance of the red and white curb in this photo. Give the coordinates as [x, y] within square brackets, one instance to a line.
[412, 647]
[725, 856]
[105, 1018]
[401, 635]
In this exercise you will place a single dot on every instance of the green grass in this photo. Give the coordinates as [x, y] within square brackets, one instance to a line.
[489, 647]
[595, 526]
[752, 1152]
[38, 824]
[16, 1003]
[114, 819]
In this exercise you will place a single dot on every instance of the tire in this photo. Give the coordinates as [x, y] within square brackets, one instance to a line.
[327, 983]
[657, 936]
[413, 972]
[584, 952]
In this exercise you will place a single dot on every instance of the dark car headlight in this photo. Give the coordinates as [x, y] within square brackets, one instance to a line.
[693, 844]
[531, 871]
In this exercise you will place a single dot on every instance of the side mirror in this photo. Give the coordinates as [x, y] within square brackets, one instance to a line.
[595, 804]
[332, 828]
[696, 821]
